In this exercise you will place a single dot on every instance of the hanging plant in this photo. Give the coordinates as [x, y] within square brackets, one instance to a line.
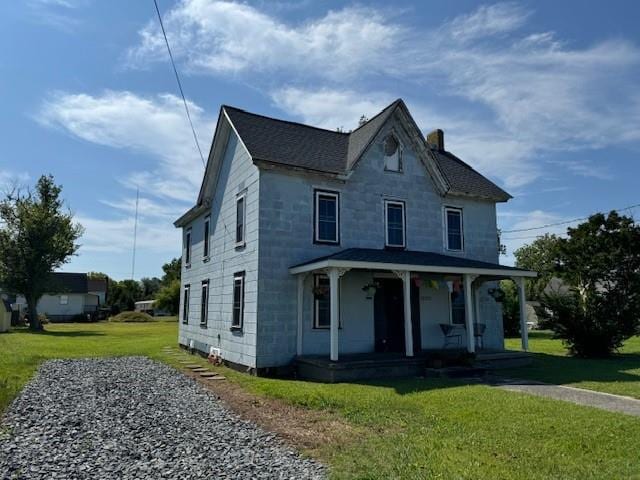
[370, 289]
[497, 294]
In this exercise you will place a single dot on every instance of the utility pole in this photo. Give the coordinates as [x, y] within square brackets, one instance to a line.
[135, 235]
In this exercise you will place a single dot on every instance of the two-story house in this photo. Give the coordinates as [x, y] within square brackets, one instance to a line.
[309, 244]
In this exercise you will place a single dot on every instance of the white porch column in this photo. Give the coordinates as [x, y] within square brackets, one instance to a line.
[468, 310]
[334, 276]
[300, 278]
[408, 324]
[522, 301]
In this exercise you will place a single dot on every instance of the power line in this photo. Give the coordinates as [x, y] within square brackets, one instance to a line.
[175, 70]
[555, 224]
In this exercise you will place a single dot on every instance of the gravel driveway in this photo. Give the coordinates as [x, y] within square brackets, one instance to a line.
[126, 418]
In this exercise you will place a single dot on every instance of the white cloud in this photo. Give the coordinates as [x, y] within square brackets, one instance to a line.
[228, 37]
[487, 20]
[156, 126]
[10, 180]
[59, 14]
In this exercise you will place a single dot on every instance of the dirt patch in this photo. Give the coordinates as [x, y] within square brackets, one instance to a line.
[310, 430]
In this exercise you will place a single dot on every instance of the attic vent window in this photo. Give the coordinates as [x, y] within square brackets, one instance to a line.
[392, 154]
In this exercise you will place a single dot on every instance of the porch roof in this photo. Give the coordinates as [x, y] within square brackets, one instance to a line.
[416, 261]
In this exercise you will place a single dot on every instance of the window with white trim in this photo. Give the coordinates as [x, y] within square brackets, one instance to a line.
[204, 303]
[64, 299]
[187, 247]
[394, 222]
[326, 217]
[392, 154]
[185, 305]
[453, 222]
[237, 319]
[241, 216]
[205, 248]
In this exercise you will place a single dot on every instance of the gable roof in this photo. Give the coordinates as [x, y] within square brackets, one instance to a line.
[300, 146]
[63, 282]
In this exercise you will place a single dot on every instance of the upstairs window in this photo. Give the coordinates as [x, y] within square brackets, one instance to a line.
[205, 249]
[204, 303]
[453, 221]
[327, 222]
[241, 215]
[185, 305]
[394, 218]
[238, 301]
[392, 154]
[187, 247]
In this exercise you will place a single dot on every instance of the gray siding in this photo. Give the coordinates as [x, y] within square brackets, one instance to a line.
[237, 174]
[286, 226]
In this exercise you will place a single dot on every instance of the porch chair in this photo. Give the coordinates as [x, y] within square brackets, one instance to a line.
[452, 335]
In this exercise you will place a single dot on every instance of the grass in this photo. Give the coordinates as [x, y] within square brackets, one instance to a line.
[619, 374]
[413, 428]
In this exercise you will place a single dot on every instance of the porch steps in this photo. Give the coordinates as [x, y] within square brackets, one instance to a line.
[499, 360]
[456, 372]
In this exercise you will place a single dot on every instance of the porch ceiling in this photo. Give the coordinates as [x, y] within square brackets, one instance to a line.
[415, 261]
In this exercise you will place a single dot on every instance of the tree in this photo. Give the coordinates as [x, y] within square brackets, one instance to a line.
[600, 261]
[37, 236]
[172, 271]
[539, 256]
[124, 294]
[510, 308]
[168, 298]
[150, 287]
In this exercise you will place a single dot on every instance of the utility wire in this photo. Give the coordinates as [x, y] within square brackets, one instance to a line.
[565, 222]
[175, 70]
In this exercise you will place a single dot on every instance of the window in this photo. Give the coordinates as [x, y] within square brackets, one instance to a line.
[392, 154]
[64, 299]
[326, 217]
[453, 219]
[205, 252]
[322, 302]
[187, 247]
[240, 219]
[394, 223]
[185, 305]
[204, 303]
[457, 305]
[238, 301]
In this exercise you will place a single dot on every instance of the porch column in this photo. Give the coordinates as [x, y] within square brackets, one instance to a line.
[522, 301]
[468, 310]
[334, 276]
[408, 324]
[300, 278]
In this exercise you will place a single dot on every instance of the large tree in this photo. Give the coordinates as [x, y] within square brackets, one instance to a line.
[600, 261]
[539, 256]
[172, 271]
[37, 236]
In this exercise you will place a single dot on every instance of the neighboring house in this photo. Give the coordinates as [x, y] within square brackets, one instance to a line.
[68, 298]
[148, 306]
[310, 242]
[98, 286]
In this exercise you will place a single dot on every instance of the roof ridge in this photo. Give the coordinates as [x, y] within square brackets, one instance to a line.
[291, 122]
[394, 103]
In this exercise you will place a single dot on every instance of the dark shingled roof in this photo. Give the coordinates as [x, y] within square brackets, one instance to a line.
[408, 257]
[298, 145]
[465, 180]
[62, 282]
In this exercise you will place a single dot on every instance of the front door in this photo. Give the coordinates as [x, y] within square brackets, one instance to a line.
[389, 316]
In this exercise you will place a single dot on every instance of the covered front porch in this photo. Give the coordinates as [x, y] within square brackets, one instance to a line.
[407, 293]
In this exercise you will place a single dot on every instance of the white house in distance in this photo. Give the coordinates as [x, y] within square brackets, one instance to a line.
[70, 296]
[320, 250]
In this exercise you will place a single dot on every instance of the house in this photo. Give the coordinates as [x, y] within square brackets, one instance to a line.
[309, 245]
[68, 298]
[148, 306]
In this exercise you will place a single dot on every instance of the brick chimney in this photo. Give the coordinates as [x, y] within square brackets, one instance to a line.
[435, 139]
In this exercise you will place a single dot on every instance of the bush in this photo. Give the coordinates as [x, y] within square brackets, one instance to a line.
[132, 317]
[592, 327]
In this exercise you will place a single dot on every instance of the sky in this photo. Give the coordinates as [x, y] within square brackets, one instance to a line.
[543, 97]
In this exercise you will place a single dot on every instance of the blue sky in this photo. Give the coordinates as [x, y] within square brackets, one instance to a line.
[543, 97]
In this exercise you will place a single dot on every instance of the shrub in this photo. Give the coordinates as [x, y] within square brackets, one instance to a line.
[510, 308]
[595, 326]
[132, 317]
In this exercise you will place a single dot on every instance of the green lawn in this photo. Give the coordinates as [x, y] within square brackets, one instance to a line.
[413, 428]
[620, 374]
